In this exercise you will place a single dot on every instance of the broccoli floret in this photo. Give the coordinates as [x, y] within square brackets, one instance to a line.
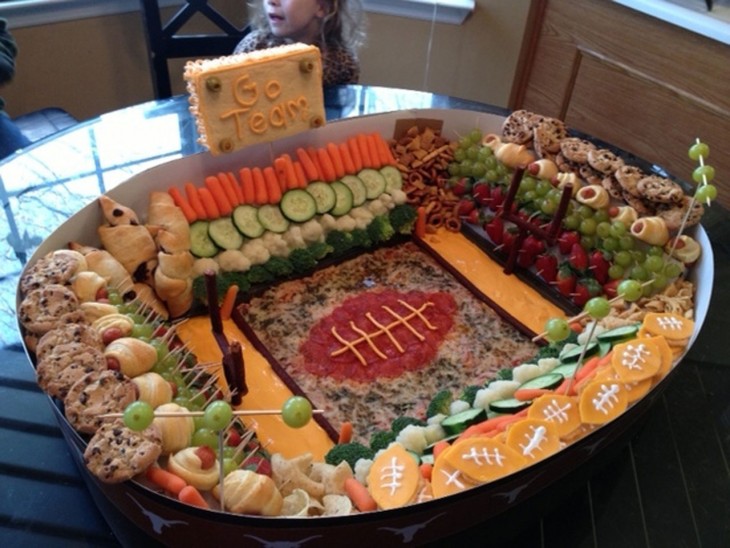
[319, 250]
[440, 404]
[280, 267]
[200, 293]
[361, 238]
[258, 274]
[223, 281]
[504, 374]
[403, 218]
[381, 439]
[380, 230]
[399, 423]
[349, 452]
[341, 242]
[302, 260]
[470, 393]
[548, 351]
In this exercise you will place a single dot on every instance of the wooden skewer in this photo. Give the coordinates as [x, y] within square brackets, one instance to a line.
[238, 413]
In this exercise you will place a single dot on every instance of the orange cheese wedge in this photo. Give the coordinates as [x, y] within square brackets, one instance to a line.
[671, 326]
[561, 410]
[667, 356]
[447, 480]
[636, 360]
[484, 459]
[602, 401]
[393, 478]
[534, 439]
[634, 390]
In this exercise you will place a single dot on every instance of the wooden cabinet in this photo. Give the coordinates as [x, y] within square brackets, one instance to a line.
[643, 85]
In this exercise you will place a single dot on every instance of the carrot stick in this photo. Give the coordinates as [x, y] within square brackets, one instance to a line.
[190, 495]
[183, 204]
[172, 483]
[439, 447]
[577, 327]
[334, 153]
[229, 300]
[228, 189]
[219, 195]
[420, 228]
[259, 186]
[350, 168]
[355, 153]
[373, 150]
[300, 175]
[345, 433]
[384, 152]
[211, 208]
[362, 145]
[315, 160]
[529, 394]
[284, 167]
[360, 496]
[236, 187]
[329, 173]
[566, 388]
[310, 168]
[483, 427]
[194, 198]
[272, 185]
[587, 369]
[426, 470]
[249, 194]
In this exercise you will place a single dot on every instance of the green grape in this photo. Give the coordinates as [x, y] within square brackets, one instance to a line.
[571, 222]
[706, 192]
[114, 297]
[229, 465]
[698, 150]
[618, 229]
[529, 196]
[610, 244]
[491, 176]
[465, 166]
[647, 290]
[629, 290]
[465, 142]
[528, 183]
[638, 255]
[162, 349]
[142, 331]
[556, 329]
[705, 173]
[478, 170]
[638, 272]
[623, 258]
[653, 263]
[603, 229]
[183, 401]
[659, 282]
[138, 415]
[543, 187]
[199, 422]
[486, 155]
[296, 411]
[218, 415]
[588, 241]
[616, 271]
[655, 250]
[459, 155]
[601, 215]
[548, 207]
[597, 307]
[588, 226]
[475, 135]
[472, 152]
[586, 212]
[205, 436]
[626, 242]
[672, 270]
[503, 170]
[491, 162]
[454, 170]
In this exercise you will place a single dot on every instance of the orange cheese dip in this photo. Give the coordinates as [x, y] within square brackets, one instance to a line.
[267, 391]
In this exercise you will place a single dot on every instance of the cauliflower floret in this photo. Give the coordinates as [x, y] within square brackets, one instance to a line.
[485, 396]
[201, 265]
[256, 251]
[583, 338]
[275, 243]
[328, 222]
[362, 469]
[413, 438]
[525, 372]
[457, 406]
[434, 433]
[436, 419]
[505, 388]
[399, 197]
[362, 216]
[294, 238]
[547, 364]
[345, 224]
[377, 207]
[233, 260]
[312, 231]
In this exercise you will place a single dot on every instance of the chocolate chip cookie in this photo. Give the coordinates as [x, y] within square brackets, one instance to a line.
[547, 135]
[65, 364]
[518, 127]
[628, 177]
[97, 393]
[604, 161]
[43, 309]
[57, 267]
[660, 189]
[674, 213]
[71, 332]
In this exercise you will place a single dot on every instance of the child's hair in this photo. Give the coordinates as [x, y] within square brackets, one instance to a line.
[343, 25]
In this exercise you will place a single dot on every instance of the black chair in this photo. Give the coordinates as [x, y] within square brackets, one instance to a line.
[164, 41]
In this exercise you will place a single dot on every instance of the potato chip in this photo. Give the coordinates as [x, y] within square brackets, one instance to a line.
[298, 503]
[337, 505]
[332, 477]
[291, 474]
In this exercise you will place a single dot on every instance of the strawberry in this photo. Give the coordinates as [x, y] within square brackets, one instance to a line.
[547, 267]
[482, 194]
[585, 289]
[598, 266]
[258, 464]
[465, 207]
[206, 455]
[233, 439]
[498, 196]
[473, 217]
[566, 241]
[461, 187]
[509, 237]
[494, 228]
[565, 280]
[610, 289]
[533, 245]
[578, 258]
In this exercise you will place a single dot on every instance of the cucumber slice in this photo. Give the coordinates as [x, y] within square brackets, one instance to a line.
[200, 243]
[343, 199]
[374, 182]
[225, 234]
[359, 192]
[393, 178]
[426, 459]
[323, 195]
[604, 347]
[271, 218]
[509, 405]
[246, 219]
[298, 205]
[459, 422]
[546, 381]
[573, 354]
[566, 370]
[619, 333]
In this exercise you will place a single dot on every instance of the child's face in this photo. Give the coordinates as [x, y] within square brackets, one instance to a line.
[298, 20]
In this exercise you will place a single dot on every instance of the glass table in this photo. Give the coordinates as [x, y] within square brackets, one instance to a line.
[669, 486]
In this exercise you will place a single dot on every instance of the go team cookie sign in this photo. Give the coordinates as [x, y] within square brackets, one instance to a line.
[256, 97]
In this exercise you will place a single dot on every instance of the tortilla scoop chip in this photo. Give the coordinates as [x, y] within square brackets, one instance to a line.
[337, 505]
[332, 477]
[300, 504]
[291, 474]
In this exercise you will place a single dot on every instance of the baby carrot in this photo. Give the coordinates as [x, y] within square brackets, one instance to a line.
[236, 187]
[300, 175]
[384, 152]
[285, 169]
[190, 495]
[272, 185]
[191, 192]
[439, 447]
[206, 198]
[229, 300]
[228, 189]
[219, 195]
[426, 470]
[249, 194]
[362, 145]
[350, 168]
[168, 481]
[355, 153]
[310, 169]
[373, 150]
[529, 394]
[334, 153]
[326, 164]
[360, 496]
[567, 387]
[315, 160]
[345, 432]
[421, 222]
[587, 369]
[259, 186]
[183, 204]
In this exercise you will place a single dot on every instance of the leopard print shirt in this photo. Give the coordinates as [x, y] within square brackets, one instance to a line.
[339, 65]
